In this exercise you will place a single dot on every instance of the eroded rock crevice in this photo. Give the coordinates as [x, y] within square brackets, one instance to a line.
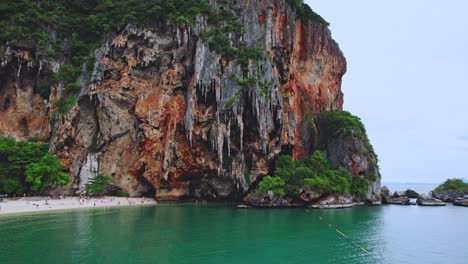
[164, 113]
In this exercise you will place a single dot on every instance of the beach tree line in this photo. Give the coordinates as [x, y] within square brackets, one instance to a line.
[27, 167]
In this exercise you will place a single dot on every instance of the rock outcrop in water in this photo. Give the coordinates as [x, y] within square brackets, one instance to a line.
[403, 200]
[165, 114]
[461, 201]
[426, 200]
[451, 190]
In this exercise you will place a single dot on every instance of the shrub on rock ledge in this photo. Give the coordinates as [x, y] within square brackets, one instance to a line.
[315, 173]
[99, 185]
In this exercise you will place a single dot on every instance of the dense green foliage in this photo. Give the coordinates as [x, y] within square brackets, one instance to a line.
[314, 173]
[67, 74]
[359, 185]
[45, 173]
[26, 22]
[27, 167]
[454, 185]
[331, 181]
[99, 185]
[224, 24]
[275, 184]
[83, 22]
[341, 124]
[304, 11]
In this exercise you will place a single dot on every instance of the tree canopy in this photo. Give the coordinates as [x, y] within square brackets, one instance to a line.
[454, 185]
[26, 166]
[314, 173]
[99, 185]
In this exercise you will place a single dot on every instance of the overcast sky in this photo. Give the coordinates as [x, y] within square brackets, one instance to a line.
[408, 81]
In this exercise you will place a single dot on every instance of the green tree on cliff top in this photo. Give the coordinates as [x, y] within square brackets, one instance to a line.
[454, 185]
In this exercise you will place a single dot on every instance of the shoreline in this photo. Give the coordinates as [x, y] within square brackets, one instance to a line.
[27, 205]
[37, 204]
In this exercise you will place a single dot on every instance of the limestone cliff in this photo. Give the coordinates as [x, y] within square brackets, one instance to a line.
[165, 114]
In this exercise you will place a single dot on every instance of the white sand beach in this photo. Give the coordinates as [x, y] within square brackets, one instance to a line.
[42, 204]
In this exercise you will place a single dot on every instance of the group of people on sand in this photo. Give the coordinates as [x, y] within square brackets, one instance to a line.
[87, 199]
[84, 201]
[37, 205]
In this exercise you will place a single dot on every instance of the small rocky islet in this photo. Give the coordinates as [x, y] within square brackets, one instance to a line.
[318, 201]
[445, 193]
[451, 191]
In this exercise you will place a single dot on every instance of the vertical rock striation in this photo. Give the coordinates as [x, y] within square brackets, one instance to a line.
[165, 114]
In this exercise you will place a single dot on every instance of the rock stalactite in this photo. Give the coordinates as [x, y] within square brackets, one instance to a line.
[164, 113]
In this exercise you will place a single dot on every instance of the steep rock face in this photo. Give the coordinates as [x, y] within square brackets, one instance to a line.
[350, 150]
[352, 154]
[165, 114]
[22, 110]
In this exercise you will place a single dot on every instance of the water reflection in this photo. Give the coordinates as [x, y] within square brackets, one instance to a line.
[82, 237]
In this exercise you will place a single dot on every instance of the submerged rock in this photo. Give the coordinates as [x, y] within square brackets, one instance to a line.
[426, 200]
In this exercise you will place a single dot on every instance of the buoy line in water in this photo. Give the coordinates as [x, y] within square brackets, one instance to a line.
[343, 235]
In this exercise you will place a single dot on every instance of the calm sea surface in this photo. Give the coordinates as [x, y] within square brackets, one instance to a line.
[224, 234]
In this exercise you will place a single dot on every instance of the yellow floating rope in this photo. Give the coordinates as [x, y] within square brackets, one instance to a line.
[344, 235]
[341, 233]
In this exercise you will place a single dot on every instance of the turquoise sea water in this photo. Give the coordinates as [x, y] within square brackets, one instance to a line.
[224, 234]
